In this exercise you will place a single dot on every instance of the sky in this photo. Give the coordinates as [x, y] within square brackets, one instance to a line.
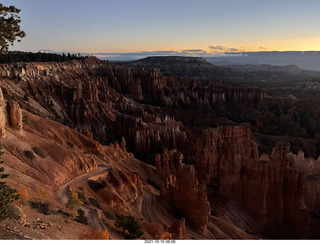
[113, 28]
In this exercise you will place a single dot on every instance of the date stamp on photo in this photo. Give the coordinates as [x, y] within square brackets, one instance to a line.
[160, 241]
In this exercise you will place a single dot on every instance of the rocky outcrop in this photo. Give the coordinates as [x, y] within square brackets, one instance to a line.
[272, 188]
[123, 191]
[181, 188]
[178, 229]
[151, 133]
[15, 115]
[2, 115]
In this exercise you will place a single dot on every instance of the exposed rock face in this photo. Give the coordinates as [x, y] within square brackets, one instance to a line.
[15, 114]
[154, 131]
[17, 213]
[152, 110]
[271, 188]
[125, 189]
[2, 115]
[181, 187]
[178, 229]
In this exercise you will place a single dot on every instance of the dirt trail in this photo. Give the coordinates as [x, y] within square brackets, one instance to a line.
[93, 215]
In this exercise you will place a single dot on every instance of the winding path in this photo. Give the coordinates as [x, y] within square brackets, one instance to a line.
[93, 215]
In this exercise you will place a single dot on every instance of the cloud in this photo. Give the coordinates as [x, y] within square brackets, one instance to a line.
[194, 51]
[223, 49]
[217, 48]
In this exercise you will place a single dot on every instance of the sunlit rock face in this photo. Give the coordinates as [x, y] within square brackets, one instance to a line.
[15, 115]
[10, 114]
[2, 115]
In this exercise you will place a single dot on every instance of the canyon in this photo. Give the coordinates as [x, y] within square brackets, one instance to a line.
[214, 160]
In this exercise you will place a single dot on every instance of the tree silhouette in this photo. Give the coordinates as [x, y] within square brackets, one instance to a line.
[7, 194]
[9, 27]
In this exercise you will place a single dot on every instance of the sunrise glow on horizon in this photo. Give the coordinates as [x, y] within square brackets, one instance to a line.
[206, 27]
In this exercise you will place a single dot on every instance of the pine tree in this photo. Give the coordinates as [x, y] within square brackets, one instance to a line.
[7, 194]
[9, 27]
[130, 224]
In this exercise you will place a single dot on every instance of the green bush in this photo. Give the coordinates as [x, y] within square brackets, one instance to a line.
[29, 154]
[7, 194]
[41, 207]
[130, 224]
[109, 215]
[83, 198]
[94, 202]
[39, 152]
[96, 186]
[26, 97]
[81, 218]
[64, 213]
[26, 119]
[70, 144]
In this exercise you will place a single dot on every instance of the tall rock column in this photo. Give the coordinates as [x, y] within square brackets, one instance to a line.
[2, 115]
[180, 187]
[15, 115]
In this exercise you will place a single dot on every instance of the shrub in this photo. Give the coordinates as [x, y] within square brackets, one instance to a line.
[26, 119]
[81, 217]
[29, 154]
[70, 144]
[130, 224]
[94, 202]
[64, 213]
[74, 202]
[41, 207]
[7, 194]
[24, 196]
[83, 198]
[39, 152]
[109, 215]
[41, 194]
[26, 97]
[94, 234]
[96, 186]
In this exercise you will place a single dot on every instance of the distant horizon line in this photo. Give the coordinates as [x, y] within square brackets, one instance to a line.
[121, 56]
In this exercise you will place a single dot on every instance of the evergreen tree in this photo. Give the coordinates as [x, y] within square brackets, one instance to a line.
[7, 194]
[9, 27]
[130, 224]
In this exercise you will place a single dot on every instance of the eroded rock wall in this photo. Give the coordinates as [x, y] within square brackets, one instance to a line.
[272, 188]
[180, 187]
[2, 115]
